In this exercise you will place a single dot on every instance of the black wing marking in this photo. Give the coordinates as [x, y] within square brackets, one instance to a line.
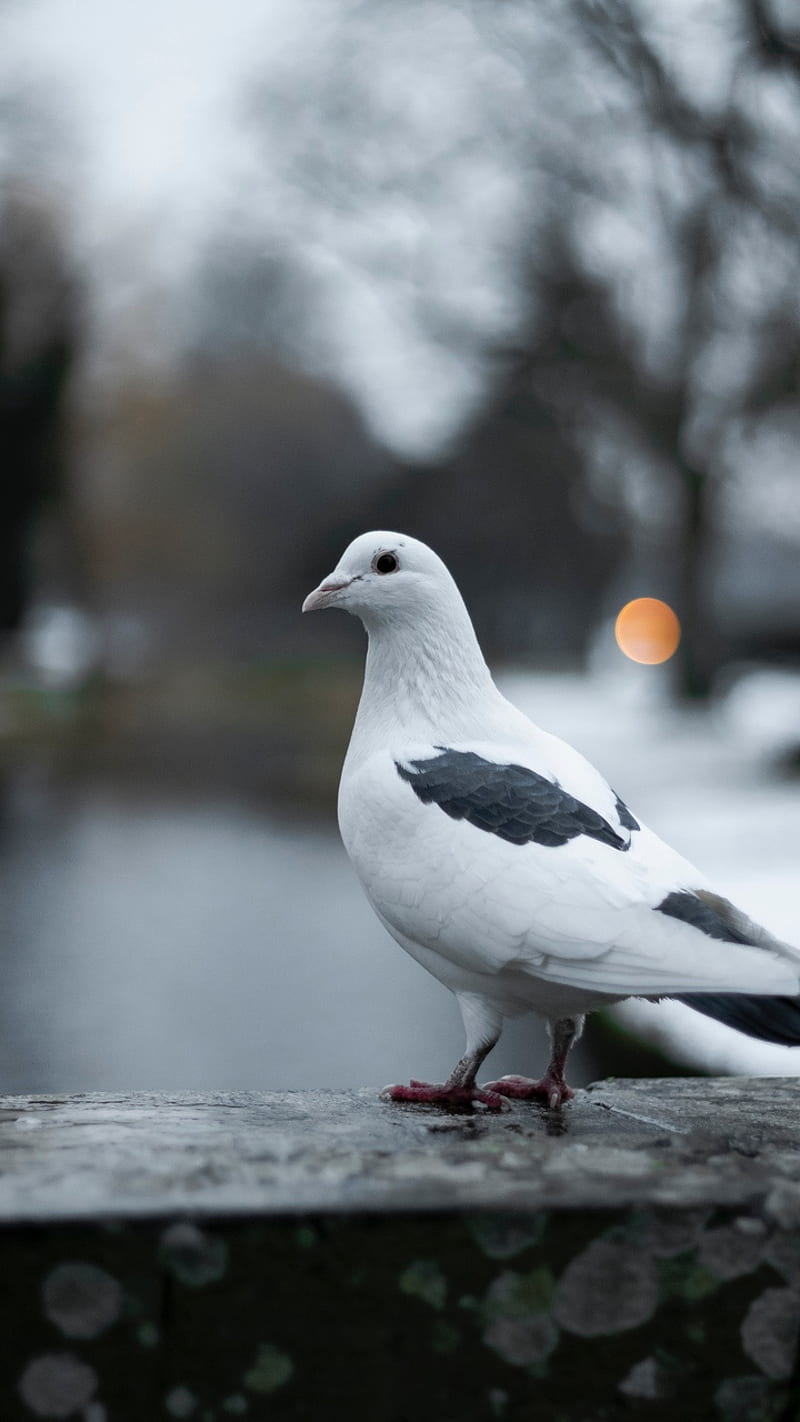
[510, 801]
[624, 815]
[700, 914]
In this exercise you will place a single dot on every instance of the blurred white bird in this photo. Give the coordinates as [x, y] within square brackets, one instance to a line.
[500, 859]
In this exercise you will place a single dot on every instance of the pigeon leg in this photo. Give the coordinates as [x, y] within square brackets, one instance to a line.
[552, 1089]
[458, 1093]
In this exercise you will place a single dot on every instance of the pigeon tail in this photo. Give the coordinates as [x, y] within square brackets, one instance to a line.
[771, 1019]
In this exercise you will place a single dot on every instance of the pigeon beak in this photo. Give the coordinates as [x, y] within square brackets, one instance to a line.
[325, 594]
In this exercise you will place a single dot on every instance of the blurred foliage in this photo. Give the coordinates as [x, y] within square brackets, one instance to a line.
[201, 497]
[269, 733]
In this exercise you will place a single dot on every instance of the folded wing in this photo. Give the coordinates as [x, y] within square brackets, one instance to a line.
[497, 866]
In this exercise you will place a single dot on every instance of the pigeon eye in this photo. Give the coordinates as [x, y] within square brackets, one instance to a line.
[386, 563]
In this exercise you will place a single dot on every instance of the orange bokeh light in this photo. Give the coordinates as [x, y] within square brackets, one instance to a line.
[647, 630]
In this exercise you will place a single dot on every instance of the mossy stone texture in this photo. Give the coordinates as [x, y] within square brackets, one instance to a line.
[309, 1255]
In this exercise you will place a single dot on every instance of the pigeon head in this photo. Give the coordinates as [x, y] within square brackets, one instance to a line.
[424, 667]
[384, 578]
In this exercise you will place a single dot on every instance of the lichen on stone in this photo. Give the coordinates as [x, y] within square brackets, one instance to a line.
[193, 1256]
[423, 1279]
[685, 1278]
[498, 1401]
[57, 1385]
[81, 1300]
[643, 1380]
[518, 1324]
[749, 1399]
[610, 1287]
[271, 1370]
[783, 1204]
[730, 1251]
[770, 1331]
[180, 1402]
[444, 1337]
[665, 1233]
[782, 1251]
[237, 1404]
[503, 1236]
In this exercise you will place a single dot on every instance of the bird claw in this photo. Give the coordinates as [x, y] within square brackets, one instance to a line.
[452, 1098]
[550, 1091]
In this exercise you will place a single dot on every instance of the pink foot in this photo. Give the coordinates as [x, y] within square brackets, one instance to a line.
[452, 1098]
[552, 1091]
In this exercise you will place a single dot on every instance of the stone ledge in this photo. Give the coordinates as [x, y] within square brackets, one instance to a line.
[312, 1255]
[684, 1141]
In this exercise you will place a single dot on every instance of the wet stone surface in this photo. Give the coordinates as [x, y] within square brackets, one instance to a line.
[669, 1142]
[313, 1254]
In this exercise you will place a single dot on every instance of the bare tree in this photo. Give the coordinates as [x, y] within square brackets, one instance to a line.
[38, 341]
[466, 162]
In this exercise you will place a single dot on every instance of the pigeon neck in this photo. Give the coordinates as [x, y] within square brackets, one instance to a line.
[425, 674]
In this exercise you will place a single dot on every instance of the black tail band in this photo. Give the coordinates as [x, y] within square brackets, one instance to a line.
[771, 1019]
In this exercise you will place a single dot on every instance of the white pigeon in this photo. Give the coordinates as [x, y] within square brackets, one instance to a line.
[502, 861]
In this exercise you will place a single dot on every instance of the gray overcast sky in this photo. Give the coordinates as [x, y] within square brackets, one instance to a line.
[150, 83]
[151, 95]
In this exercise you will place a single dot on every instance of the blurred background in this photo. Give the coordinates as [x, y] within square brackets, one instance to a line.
[520, 280]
